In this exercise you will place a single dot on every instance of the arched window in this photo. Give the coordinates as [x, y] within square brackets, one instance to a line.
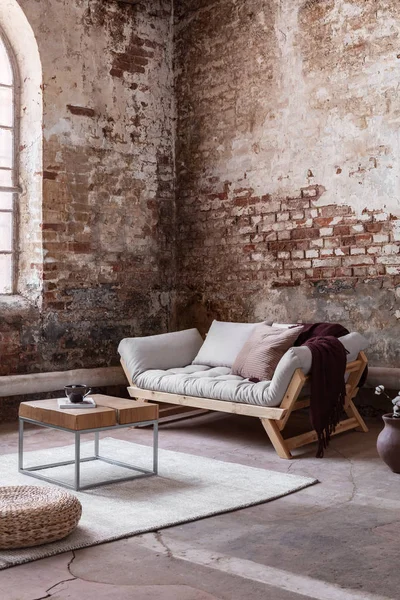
[21, 160]
[8, 171]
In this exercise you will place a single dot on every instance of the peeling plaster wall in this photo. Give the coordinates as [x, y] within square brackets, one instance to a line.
[108, 185]
[287, 161]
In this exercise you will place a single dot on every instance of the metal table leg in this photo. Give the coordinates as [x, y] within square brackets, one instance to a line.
[155, 447]
[77, 459]
[96, 444]
[21, 445]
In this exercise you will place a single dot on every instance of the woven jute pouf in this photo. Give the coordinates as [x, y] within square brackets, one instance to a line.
[31, 515]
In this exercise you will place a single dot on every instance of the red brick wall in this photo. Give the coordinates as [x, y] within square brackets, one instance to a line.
[287, 161]
[245, 238]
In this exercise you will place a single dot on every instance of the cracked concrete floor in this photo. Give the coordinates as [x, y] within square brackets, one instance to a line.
[338, 540]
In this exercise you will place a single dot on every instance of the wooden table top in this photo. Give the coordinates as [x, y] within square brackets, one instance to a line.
[108, 412]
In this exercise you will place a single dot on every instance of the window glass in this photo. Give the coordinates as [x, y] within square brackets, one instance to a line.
[6, 178]
[6, 74]
[6, 274]
[7, 173]
[6, 148]
[6, 200]
[6, 107]
[6, 231]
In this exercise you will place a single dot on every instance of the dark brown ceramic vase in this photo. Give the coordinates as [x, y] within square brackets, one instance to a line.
[388, 443]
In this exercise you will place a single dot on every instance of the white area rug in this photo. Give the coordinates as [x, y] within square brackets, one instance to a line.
[187, 488]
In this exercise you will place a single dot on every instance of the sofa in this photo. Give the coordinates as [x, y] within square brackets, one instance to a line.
[182, 368]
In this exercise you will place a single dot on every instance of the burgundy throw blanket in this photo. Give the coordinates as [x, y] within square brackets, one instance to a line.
[328, 368]
[311, 330]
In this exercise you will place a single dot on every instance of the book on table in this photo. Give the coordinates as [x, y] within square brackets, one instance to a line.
[86, 403]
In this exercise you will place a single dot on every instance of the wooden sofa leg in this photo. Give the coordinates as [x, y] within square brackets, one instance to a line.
[276, 438]
[351, 411]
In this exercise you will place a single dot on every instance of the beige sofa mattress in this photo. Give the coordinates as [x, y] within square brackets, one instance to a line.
[217, 382]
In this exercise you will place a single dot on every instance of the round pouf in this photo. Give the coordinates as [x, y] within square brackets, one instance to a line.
[31, 515]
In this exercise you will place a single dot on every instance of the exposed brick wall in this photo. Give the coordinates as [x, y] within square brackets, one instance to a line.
[241, 237]
[287, 162]
[108, 185]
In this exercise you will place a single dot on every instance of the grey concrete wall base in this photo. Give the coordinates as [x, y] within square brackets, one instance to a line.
[390, 378]
[35, 383]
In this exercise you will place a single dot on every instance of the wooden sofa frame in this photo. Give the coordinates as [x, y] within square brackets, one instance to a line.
[274, 419]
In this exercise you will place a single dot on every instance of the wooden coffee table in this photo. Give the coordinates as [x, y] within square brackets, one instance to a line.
[109, 415]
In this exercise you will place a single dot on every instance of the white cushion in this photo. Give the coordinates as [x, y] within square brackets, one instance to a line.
[163, 351]
[295, 358]
[223, 343]
[354, 342]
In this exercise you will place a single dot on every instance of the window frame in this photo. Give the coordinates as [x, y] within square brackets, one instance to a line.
[15, 188]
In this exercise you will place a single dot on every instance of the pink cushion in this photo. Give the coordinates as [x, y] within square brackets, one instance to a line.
[262, 352]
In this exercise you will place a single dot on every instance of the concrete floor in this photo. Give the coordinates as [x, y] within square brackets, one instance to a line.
[338, 540]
